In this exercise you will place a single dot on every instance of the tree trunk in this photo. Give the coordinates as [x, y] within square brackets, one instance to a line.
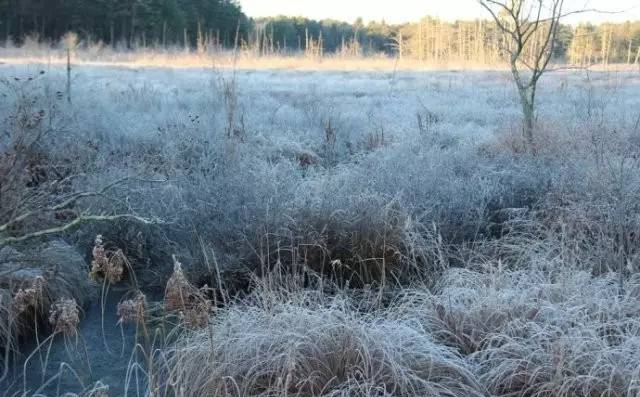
[7, 35]
[528, 123]
[199, 39]
[185, 39]
[420, 42]
[527, 93]
[527, 101]
[112, 38]
[271, 39]
[133, 25]
[164, 34]
[123, 31]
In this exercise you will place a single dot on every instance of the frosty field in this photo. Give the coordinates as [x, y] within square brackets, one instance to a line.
[321, 233]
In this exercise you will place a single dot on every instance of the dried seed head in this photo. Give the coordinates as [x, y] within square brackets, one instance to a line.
[94, 274]
[100, 260]
[98, 247]
[28, 298]
[115, 267]
[65, 316]
[179, 292]
[132, 310]
[23, 300]
[106, 264]
[181, 295]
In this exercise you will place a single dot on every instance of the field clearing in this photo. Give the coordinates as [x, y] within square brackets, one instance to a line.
[177, 58]
[357, 99]
[338, 233]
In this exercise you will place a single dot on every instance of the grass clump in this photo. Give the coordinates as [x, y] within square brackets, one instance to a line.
[315, 346]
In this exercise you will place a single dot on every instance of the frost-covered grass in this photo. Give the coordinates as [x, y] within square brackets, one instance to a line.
[310, 345]
[522, 333]
[429, 252]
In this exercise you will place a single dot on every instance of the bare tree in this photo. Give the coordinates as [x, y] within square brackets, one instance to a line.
[529, 29]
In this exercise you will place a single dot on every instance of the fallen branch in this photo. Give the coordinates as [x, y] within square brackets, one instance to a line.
[74, 223]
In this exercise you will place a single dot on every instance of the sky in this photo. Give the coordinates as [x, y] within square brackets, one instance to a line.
[398, 11]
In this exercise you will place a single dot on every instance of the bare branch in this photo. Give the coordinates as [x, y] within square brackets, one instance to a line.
[74, 223]
[496, 18]
[67, 202]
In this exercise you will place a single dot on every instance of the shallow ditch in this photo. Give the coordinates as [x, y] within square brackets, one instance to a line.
[99, 353]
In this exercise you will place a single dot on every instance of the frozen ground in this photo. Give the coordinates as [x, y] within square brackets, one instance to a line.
[287, 108]
[377, 233]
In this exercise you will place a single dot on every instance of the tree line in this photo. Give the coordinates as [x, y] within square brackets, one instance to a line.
[435, 40]
[283, 34]
[205, 24]
[480, 41]
[129, 23]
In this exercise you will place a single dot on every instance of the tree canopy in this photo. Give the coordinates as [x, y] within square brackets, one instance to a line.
[126, 21]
